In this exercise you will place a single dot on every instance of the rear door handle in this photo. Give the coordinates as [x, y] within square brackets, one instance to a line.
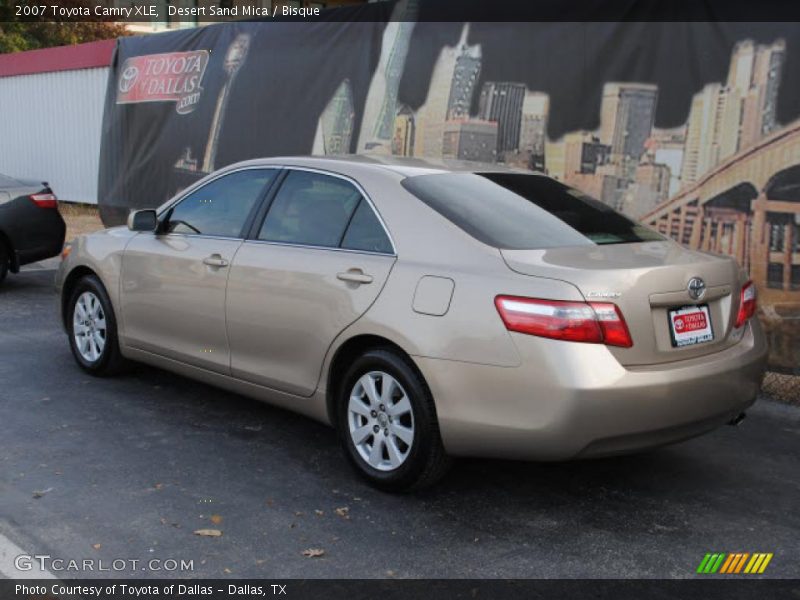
[215, 260]
[354, 276]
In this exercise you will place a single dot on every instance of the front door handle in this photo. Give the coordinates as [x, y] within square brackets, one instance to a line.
[355, 276]
[215, 260]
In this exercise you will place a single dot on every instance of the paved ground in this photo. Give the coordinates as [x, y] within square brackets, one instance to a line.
[135, 465]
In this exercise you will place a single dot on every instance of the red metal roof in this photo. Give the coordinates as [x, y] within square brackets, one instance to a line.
[62, 58]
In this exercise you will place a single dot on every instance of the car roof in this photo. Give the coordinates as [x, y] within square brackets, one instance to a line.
[404, 166]
[12, 183]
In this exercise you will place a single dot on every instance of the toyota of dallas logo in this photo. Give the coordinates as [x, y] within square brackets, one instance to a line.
[169, 77]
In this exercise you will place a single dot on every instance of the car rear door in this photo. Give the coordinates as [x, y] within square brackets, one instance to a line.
[173, 284]
[313, 266]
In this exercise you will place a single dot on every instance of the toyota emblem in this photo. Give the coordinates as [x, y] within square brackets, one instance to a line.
[696, 288]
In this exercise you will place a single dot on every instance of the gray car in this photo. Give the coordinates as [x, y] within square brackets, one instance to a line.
[425, 310]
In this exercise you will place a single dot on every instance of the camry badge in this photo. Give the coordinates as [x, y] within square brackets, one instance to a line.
[696, 288]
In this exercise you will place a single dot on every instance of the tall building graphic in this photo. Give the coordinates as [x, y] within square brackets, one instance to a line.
[704, 144]
[650, 188]
[465, 77]
[627, 114]
[759, 99]
[470, 139]
[335, 128]
[431, 116]
[380, 109]
[533, 129]
[501, 101]
[740, 70]
[234, 59]
[404, 132]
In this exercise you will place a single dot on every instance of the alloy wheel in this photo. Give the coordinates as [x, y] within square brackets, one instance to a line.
[380, 420]
[89, 327]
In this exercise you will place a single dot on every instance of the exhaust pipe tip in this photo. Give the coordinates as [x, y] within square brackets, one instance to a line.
[737, 419]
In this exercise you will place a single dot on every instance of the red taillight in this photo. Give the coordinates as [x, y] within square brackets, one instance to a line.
[747, 303]
[612, 323]
[44, 200]
[594, 322]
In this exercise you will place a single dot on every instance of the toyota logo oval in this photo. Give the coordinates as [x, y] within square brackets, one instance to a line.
[696, 288]
[127, 79]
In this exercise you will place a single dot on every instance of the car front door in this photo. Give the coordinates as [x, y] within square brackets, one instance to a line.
[316, 264]
[173, 283]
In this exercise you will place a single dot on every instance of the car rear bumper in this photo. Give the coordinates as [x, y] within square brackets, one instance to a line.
[570, 400]
[38, 233]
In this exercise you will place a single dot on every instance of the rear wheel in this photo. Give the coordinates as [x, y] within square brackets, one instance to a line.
[387, 423]
[92, 328]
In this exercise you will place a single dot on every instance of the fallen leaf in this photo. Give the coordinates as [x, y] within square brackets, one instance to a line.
[313, 552]
[299, 513]
[227, 570]
[216, 519]
[40, 493]
[319, 512]
[208, 532]
[343, 512]
[96, 546]
[390, 573]
[158, 486]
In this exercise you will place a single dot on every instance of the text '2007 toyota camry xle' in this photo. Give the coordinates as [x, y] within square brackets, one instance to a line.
[424, 310]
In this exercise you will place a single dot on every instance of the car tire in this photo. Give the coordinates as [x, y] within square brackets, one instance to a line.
[92, 328]
[387, 424]
[5, 260]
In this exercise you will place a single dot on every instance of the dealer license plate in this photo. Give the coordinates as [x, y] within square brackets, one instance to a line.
[690, 325]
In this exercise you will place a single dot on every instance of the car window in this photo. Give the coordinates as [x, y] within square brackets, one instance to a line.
[524, 212]
[310, 209]
[365, 232]
[221, 207]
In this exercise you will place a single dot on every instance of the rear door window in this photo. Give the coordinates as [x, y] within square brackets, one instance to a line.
[365, 232]
[311, 209]
[524, 212]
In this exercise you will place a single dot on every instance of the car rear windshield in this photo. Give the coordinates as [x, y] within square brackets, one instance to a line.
[524, 212]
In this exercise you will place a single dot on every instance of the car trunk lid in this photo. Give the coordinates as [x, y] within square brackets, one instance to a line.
[646, 280]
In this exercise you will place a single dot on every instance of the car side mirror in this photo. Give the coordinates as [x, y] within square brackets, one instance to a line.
[143, 220]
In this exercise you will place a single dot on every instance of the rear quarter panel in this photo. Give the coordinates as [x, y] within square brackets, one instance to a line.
[427, 244]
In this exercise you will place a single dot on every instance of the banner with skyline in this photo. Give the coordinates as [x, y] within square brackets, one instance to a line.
[690, 127]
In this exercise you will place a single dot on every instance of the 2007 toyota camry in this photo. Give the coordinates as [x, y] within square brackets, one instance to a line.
[426, 311]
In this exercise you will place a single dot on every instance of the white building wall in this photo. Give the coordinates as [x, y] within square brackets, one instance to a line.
[50, 129]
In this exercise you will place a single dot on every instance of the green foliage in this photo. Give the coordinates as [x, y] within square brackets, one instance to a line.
[17, 35]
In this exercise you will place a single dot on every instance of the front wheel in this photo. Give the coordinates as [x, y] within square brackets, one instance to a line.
[92, 328]
[387, 423]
